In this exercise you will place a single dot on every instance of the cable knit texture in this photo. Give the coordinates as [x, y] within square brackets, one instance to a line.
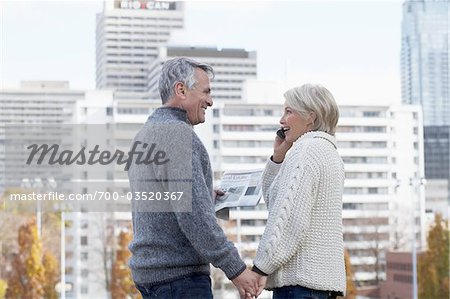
[303, 241]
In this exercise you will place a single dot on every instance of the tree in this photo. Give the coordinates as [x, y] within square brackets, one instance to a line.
[122, 285]
[434, 263]
[51, 275]
[3, 287]
[351, 288]
[28, 277]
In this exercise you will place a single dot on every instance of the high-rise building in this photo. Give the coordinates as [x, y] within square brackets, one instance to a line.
[425, 77]
[232, 67]
[424, 59]
[128, 36]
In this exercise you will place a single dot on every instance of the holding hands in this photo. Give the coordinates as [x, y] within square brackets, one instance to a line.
[249, 284]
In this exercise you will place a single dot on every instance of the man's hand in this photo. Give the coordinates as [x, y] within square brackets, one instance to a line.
[247, 284]
[218, 193]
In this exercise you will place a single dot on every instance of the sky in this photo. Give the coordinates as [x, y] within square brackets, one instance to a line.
[351, 47]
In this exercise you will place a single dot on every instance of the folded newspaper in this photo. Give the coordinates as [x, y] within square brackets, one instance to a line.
[242, 189]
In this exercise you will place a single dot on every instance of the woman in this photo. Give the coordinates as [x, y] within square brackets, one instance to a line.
[301, 254]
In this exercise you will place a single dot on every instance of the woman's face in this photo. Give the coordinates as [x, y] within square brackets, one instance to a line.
[294, 124]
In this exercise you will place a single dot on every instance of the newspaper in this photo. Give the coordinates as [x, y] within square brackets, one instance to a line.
[242, 189]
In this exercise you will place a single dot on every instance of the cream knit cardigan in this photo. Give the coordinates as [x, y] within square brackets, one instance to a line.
[303, 243]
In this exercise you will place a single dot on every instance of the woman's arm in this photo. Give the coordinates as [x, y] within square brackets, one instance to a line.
[289, 218]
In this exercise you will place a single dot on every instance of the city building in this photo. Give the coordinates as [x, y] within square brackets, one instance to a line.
[425, 79]
[382, 148]
[399, 276]
[33, 103]
[129, 34]
[424, 59]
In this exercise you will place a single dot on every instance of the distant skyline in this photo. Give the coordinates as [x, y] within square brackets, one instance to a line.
[351, 47]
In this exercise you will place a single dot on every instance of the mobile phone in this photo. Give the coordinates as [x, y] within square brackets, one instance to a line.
[280, 133]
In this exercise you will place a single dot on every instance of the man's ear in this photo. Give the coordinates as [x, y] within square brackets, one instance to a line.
[180, 89]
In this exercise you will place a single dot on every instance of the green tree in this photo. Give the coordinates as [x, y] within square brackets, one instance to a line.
[122, 285]
[27, 278]
[434, 263]
[51, 275]
[351, 288]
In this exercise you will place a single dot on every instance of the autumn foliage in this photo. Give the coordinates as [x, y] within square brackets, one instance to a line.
[434, 263]
[34, 276]
[122, 285]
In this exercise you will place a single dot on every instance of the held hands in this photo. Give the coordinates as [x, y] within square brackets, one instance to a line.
[262, 280]
[247, 284]
[280, 148]
[250, 284]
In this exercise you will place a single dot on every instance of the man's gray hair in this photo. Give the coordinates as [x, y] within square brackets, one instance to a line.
[180, 69]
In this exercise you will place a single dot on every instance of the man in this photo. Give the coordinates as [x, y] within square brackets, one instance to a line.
[172, 250]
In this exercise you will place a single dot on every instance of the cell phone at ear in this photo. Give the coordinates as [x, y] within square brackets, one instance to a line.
[280, 133]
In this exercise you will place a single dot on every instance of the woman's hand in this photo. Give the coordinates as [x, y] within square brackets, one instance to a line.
[280, 148]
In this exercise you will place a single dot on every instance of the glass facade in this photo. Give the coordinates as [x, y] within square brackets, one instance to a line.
[425, 77]
[424, 59]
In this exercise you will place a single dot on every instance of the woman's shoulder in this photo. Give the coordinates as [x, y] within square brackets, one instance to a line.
[315, 141]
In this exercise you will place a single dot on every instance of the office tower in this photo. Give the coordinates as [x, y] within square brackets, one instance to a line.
[128, 37]
[424, 59]
[231, 66]
[425, 81]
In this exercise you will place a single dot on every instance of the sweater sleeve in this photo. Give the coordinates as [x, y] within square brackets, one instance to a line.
[202, 230]
[289, 217]
[269, 174]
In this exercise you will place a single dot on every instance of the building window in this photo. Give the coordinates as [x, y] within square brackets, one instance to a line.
[84, 256]
[84, 289]
[84, 240]
[109, 111]
[216, 113]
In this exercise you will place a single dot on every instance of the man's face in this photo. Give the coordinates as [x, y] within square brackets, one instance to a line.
[198, 98]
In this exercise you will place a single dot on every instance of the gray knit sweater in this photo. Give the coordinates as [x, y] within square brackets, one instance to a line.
[170, 245]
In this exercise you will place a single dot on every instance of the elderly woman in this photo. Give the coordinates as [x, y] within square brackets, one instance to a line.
[301, 254]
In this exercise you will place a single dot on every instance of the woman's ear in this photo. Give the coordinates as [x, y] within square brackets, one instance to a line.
[312, 117]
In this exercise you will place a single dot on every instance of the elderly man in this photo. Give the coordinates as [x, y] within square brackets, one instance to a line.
[172, 250]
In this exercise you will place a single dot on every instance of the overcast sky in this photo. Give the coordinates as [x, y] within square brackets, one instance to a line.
[352, 47]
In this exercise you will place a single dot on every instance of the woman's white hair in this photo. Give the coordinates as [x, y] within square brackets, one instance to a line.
[314, 98]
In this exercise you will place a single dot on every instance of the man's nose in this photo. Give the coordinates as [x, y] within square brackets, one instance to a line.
[209, 101]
